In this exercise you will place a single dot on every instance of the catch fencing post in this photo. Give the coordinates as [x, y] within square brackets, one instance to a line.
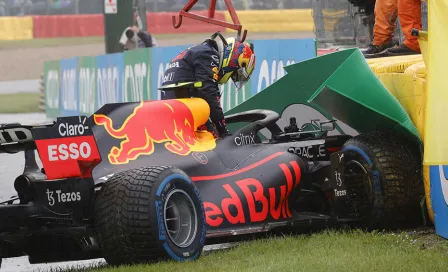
[42, 93]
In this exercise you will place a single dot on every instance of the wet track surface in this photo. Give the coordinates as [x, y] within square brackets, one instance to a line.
[11, 165]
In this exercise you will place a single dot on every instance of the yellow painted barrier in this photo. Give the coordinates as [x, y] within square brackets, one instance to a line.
[332, 18]
[16, 28]
[288, 20]
[436, 144]
[406, 79]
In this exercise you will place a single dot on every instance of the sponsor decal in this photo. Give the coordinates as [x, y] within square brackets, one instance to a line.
[63, 151]
[215, 70]
[15, 135]
[215, 77]
[168, 77]
[66, 129]
[215, 58]
[338, 169]
[173, 65]
[340, 192]
[262, 203]
[159, 212]
[68, 157]
[200, 157]
[170, 122]
[62, 197]
[242, 139]
[309, 152]
[67, 149]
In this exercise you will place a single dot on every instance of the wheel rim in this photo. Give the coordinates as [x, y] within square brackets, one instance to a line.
[359, 187]
[180, 218]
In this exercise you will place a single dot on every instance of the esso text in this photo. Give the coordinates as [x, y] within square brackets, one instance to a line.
[73, 151]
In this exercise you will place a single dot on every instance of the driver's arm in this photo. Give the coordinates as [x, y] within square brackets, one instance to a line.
[204, 64]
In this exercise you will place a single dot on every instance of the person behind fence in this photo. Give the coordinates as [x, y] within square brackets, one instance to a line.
[212, 63]
[386, 12]
[133, 38]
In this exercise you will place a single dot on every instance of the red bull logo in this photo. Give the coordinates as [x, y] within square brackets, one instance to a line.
[172, 122]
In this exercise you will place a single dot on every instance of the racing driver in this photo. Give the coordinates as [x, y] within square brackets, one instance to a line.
[210, 64]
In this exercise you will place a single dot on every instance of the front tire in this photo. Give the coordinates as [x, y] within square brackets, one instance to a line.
[150, 214]
[385, 186]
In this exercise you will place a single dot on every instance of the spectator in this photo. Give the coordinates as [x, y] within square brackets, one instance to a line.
[133, 38]
[386, 12]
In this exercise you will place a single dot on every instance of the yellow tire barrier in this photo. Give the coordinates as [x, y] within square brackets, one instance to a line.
[16, 28]
[332, 18]
[405, 78]
[288, 20]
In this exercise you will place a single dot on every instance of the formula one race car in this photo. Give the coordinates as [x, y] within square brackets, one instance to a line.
[138, 182]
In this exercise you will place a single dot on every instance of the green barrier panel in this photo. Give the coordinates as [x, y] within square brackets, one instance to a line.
[230, 98]
[87, 85]
[137, 75]
[51, 85]
[354, 95]
[339, 85]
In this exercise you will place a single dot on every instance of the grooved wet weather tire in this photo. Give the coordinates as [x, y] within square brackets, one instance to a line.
[388, 194]
[150, 214]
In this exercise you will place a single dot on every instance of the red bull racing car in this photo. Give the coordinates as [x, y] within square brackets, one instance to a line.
[138, 182]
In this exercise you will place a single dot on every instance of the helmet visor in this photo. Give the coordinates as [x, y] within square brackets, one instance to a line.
[240, 78]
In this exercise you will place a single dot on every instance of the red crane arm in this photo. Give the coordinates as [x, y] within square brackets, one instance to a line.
[211, 17]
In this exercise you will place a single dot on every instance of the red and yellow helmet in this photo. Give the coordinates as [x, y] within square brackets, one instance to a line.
[238, 62]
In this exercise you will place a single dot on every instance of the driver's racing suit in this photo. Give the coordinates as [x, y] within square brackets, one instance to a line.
[199, 63]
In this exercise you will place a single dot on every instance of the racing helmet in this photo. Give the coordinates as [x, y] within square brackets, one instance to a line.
[237, 62]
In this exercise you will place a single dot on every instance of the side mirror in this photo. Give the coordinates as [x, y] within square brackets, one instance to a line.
[328, 126]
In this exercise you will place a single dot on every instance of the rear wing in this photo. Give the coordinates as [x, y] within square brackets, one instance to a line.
[15, 138]
[67, 147]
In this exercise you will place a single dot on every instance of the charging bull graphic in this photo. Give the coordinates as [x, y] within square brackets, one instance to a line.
[172, 122]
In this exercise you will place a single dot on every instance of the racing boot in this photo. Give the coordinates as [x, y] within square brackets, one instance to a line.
[377, 50]
[401, 50]
[208, 126]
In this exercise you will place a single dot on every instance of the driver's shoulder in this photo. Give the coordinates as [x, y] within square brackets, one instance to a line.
[203, 51]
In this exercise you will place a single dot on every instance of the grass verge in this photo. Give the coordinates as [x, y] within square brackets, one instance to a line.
[327, 251]
[19, 103]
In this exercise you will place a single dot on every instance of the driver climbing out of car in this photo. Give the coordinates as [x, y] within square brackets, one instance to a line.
[211, 63]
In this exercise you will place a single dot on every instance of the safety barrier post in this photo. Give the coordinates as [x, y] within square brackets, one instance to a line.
[42, 93]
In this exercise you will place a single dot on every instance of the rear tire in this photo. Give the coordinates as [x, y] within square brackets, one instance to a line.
[389, 194]
[150, 214]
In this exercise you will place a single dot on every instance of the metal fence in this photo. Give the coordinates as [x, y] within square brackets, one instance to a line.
[339, 23]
